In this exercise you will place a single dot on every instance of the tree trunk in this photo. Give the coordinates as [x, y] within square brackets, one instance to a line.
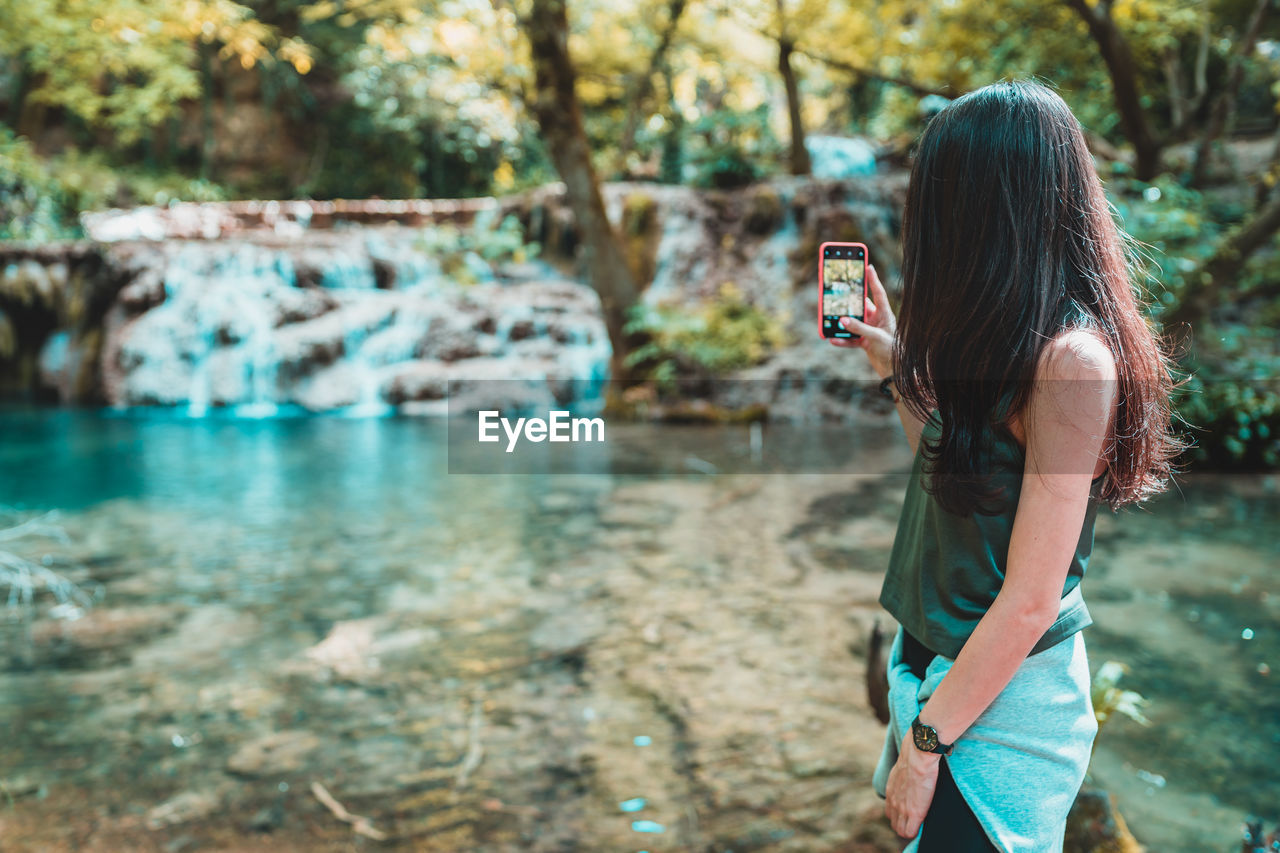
[671, 170]
[1124, 83]
[642, 87]
[207, 142]
[799, 154]
[18, 91]
[555, 105]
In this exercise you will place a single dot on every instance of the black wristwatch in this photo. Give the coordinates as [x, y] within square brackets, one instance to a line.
[926, 738]
[886, 390]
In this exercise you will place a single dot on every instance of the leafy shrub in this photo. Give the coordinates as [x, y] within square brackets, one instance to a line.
[463, 253]
[40, 200]
[92, 182]
[1233, 402]
[33, 205]
[730, 148]
[719, 335]
[1176, 229]
[1233, 415]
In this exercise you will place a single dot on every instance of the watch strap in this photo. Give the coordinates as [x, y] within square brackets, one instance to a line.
[885, 388]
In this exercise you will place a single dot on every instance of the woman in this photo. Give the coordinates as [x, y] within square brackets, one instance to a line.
[1032, 388]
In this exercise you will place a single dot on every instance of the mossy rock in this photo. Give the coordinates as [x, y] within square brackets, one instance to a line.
[825, 225]
[8, 338]
[764, 211]
[640, 236]
[645, 402]
[639, 214]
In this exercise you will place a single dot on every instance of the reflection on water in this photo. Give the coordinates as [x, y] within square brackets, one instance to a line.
[318, 598]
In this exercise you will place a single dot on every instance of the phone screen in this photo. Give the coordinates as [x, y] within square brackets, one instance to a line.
[843, 279]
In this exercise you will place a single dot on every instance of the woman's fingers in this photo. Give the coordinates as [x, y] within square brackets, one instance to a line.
[878, 295]
[853, 324]
[848, 343]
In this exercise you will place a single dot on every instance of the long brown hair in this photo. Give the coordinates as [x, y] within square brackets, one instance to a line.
[1008, 240]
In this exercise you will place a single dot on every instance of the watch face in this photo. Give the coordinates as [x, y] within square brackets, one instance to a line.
[926, 738]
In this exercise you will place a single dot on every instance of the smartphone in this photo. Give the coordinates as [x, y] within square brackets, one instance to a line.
[842, 287]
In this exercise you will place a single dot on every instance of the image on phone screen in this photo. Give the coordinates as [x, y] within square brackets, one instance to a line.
[842, 292]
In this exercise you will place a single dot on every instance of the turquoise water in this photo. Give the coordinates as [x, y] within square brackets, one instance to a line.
[240, 546]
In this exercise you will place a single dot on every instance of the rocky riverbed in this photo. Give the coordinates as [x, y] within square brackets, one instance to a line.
[533, 663]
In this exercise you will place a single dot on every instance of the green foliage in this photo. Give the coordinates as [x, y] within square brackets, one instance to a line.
[1175, 229]
[1234, 417]
[465, 252]
[730, 148]
[33, 205]
[92, 182]
[1232, 401]
[898, 112]
[502, 243]
[40, 200]
[723, 334]
[371, 161]
[671, 158]
[124, 66]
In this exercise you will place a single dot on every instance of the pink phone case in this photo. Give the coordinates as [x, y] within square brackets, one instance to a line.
[866, 263]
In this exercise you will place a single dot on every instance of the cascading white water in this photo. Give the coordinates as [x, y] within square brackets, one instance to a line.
[258, 331]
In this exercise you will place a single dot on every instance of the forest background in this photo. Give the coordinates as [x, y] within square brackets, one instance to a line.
[124, 102]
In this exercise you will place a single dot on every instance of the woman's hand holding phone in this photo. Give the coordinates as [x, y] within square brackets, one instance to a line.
[876, 331]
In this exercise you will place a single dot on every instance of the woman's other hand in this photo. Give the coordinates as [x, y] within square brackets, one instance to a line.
[876, 330]
[909, 791]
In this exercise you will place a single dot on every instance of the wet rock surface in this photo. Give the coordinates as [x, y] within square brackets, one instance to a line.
[239, 331]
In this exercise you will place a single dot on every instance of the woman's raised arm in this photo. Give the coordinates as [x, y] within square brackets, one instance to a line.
[877, 340]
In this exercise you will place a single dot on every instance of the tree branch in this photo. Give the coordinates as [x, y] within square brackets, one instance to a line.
[1122, 69]
[870, 74]
[641, 87]
[1224, 105]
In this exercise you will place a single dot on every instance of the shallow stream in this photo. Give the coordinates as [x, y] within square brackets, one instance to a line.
[513, 662]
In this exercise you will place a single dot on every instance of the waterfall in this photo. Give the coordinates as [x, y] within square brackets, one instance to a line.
[357, 324]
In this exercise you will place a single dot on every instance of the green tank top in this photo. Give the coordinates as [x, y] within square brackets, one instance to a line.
[945, 569]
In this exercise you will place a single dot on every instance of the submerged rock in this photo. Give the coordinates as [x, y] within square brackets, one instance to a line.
[1094, 825]
[183, 808]
[279, 753]
[100, 637]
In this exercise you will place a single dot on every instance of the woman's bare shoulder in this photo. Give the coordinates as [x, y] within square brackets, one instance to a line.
[1077, 354]
[1075, 379]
